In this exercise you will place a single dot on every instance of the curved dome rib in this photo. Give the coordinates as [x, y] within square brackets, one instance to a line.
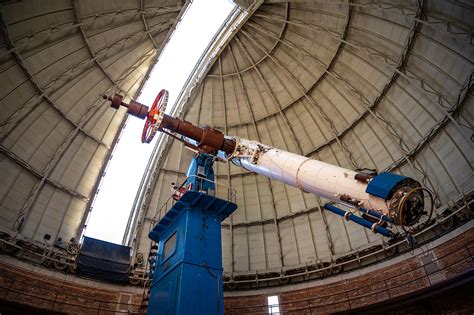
[387, 86]
[56, 131]
[352, 84]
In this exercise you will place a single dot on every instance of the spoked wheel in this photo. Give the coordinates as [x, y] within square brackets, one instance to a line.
[72, 248]
[413, 215]
[59, 262]
[134, 280]
[139, 259]
[155, 116]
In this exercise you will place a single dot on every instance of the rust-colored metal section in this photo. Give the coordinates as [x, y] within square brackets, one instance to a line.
[134, 108]
[365, 175]
[137, 109]
[349, 199]
[209, 140]
[362, 177]
[116, 101]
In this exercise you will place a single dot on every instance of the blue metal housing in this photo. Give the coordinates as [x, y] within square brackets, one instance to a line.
[383, 184]
[200, 173]
[188, 274]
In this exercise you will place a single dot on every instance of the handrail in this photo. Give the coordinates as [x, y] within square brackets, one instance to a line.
[332, 265]
[347, 291]
[467, 247]
[57, 291]
[231, 193]
[46, 255]
[31, 285]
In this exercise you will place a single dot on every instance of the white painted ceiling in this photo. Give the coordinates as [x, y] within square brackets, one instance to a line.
[371, 84]
[56, 131]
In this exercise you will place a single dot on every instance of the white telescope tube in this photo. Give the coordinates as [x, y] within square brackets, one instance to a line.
[309, 175]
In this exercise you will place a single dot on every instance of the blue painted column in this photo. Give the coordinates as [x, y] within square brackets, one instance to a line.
[188, 274]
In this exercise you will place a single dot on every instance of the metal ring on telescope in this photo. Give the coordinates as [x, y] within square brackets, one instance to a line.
[403, 202]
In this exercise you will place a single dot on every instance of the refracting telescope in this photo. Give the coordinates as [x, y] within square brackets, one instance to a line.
[382, 202]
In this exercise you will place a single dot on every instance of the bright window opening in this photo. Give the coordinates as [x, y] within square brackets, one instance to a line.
[114, 201]
[273, 305]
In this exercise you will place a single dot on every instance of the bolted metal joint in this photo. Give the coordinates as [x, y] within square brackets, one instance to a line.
[116, 101]
[212, 140]
[137, 109]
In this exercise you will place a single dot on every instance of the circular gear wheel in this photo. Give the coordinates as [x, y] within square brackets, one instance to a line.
[155, 116]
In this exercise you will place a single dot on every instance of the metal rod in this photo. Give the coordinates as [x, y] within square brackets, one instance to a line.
[377, 215]
[361, 221]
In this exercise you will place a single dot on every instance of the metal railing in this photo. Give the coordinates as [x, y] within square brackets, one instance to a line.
[49, 298]
[45, 254]
[351, 295]
[326, 268]
[226, 193]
